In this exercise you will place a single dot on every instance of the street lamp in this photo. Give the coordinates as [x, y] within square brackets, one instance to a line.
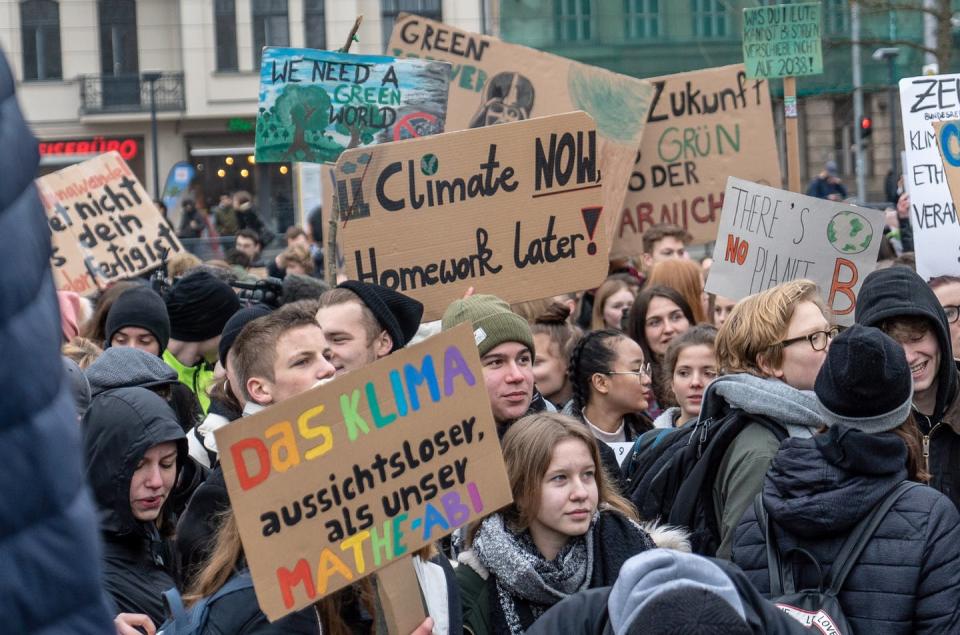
[151, 78]
[890, 53]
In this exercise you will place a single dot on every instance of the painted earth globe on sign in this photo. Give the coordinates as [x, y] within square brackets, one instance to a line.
[849, 232]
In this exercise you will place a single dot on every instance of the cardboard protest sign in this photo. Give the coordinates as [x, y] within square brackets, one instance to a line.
[948, 141]
[782, 40]
[494, 82]
[103, 225]
[703, 126]
[334, 484]
[316, 104]
[514, 210]
[933, 213]
[768, 236]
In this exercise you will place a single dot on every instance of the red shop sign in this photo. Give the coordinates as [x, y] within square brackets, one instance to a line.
[127, 147]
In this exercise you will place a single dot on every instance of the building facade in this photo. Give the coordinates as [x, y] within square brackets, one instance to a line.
[87, 70]
[648, 38]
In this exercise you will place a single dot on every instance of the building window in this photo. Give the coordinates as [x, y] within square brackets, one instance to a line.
[118, 37]
[314, 24]
[225, 28]
[836, 16]
[643, 18]
[271, 26]
[710, 18]
[573, 20]
[389, 9]
[40, 30]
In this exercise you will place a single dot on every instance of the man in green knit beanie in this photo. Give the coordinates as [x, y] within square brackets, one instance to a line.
[506, 350]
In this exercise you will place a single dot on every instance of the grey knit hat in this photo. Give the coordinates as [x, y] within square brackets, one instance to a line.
[121, 366]
[865, 382]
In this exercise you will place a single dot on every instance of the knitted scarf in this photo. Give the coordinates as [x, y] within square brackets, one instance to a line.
[522, 572]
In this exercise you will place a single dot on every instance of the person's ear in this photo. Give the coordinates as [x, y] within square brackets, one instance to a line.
[260, 390]
[647, 260]
[600, 383]
[383, 344]
[768, 369]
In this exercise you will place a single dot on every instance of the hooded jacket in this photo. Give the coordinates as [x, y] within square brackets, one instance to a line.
[740, 475]
[119, 427]
[49, 551]
[899, 292]
[907, 580]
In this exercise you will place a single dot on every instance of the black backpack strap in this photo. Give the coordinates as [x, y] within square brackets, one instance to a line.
[773, 554]
[857, 541]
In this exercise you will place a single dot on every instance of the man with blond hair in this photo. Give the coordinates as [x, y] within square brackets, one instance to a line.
[769, 350]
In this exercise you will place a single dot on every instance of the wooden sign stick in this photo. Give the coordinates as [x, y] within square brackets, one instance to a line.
[793, 133]
[399, 592]
[330, 258]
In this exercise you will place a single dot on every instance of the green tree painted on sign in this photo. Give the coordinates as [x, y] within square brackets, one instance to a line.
[358, 132]
[299, 109]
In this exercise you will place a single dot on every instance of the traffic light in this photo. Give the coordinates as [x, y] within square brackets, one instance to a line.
[866, 128]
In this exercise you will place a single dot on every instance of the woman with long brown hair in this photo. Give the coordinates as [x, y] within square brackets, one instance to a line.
[567, 529]
[686, 278]
[350, 611]
[818, 491]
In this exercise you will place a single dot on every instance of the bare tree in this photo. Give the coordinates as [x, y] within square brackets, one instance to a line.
[940, 10]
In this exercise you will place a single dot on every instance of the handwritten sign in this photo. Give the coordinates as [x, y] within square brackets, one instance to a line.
[948, 140]
[933, 212]
[703, 126]
[782, 41]
[515, 210]
[340, 481]
[769, 236]
[493, 82]
[315, 104]
[103, 224]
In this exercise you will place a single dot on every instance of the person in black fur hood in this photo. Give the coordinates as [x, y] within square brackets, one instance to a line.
[899, 302]
[134, 449]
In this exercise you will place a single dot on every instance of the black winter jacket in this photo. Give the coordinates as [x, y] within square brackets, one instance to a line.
[907, 579]
[119, 427]
[586, 613]
[50, 571]
[898, 291]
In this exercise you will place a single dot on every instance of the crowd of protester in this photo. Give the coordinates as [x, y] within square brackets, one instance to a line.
[772, 454]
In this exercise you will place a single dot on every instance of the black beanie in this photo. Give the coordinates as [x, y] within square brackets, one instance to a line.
[865, 382]
[199, 306]
[687, 611]
[142, 307]
[236, 323]
[398, 314]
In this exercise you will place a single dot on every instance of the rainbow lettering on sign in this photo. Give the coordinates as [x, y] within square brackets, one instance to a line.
[279, 450]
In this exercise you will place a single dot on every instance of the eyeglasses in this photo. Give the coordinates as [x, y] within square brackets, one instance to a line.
[818, 339]
[644, 370]
[953, 313]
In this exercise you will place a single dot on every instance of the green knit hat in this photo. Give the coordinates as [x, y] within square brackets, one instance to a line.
[493, 322]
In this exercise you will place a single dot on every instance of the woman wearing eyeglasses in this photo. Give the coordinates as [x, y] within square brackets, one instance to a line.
[769, 350]
[610, 378]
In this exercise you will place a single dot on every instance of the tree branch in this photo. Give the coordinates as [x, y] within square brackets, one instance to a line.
[941, 11]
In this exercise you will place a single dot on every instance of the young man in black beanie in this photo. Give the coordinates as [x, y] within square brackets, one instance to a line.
[364, 322]
[199, 306]
[138, 319]
[899, 302]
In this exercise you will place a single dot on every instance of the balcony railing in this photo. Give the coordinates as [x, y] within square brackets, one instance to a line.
[103, 94]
